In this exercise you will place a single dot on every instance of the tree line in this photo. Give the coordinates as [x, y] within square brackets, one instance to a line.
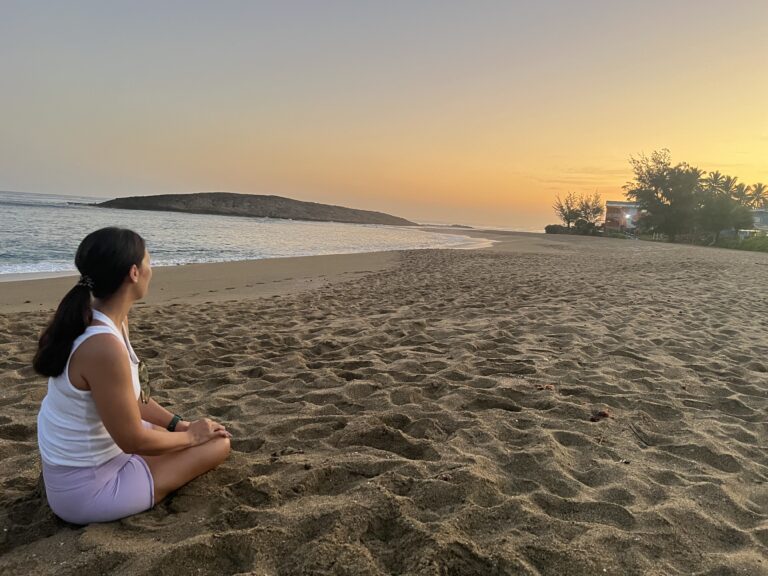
[681, 200]
[583, 211]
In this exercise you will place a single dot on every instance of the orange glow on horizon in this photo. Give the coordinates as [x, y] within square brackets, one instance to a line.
[456, 116]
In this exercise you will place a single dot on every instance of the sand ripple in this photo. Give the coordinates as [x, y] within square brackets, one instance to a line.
[444, 417]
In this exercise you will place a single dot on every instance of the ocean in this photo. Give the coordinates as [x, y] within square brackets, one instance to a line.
[39, 234]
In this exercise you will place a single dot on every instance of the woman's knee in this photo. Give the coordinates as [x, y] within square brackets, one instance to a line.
[223, 449]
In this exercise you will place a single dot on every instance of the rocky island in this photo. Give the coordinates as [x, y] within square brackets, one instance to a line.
[253, 205]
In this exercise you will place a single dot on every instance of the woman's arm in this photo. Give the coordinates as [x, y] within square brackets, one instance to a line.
[108, 373]
[156, 414]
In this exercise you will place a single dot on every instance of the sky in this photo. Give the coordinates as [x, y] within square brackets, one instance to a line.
[476, 112]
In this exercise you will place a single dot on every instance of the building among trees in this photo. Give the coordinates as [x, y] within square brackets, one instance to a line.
[621, 216]
[761, 218]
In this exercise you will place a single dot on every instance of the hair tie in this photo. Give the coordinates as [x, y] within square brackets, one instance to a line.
[86, 281]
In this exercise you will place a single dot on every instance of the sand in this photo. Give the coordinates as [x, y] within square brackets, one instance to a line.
[550, 406]
[208, 283]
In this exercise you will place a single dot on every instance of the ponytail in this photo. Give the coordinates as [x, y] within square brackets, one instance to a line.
[104, 258]
[72, 317]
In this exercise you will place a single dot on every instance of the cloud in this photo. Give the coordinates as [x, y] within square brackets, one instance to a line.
[596, 170]
[587, 176]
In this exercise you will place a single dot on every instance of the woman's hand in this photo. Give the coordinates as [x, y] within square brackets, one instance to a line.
[183, 426]
[200, 431]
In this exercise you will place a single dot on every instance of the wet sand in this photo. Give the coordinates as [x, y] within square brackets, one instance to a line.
[547, 406]
[209, 283]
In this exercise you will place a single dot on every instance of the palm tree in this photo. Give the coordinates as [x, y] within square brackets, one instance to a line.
[698, 172]
[729, 186]
[759, 196]
[714, 182]
[742, 194]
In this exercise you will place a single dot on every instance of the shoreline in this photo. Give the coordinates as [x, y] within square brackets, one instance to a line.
[211, 282]
[473, 242]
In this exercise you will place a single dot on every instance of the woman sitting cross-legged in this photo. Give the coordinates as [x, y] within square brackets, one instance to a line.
[107, 451]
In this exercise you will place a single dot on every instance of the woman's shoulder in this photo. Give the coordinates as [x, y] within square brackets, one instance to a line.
[98, 358]
[100, 345]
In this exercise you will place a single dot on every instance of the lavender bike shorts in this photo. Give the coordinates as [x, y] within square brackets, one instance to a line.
[118, 488]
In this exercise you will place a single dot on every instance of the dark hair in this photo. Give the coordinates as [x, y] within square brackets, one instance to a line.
[104, 259]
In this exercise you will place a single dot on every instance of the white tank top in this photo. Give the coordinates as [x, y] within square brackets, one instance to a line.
[69, 429]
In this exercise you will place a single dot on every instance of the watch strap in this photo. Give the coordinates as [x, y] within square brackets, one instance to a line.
[175, 420]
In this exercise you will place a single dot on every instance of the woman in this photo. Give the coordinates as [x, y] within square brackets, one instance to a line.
[105, 453]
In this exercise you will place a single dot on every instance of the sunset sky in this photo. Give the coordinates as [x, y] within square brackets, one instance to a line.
[474, 112]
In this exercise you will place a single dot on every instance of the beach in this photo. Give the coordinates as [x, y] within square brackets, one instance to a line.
[545, 406]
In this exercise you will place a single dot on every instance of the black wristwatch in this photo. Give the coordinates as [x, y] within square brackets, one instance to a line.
[175, 420]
